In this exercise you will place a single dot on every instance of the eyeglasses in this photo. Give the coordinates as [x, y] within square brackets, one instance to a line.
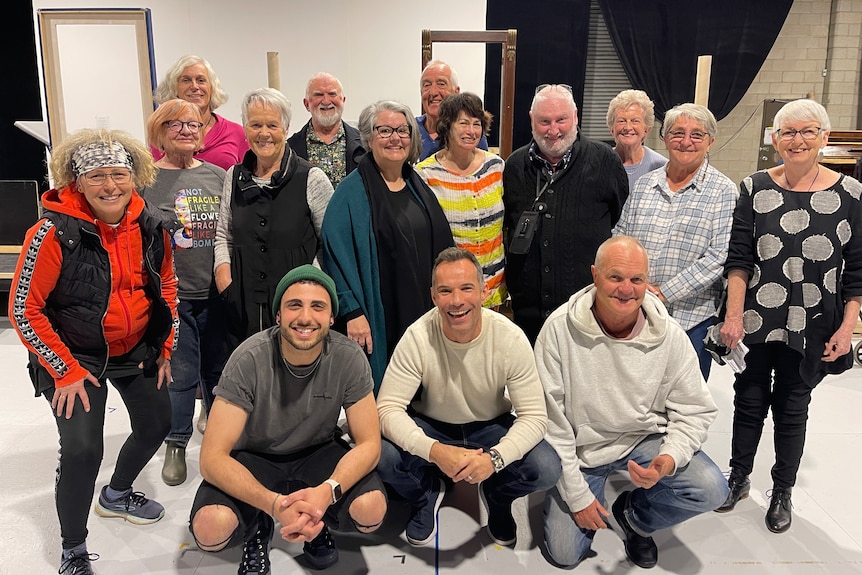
[679, 135]
[99, 179]
[403, 131]
[565, 87]
[807, 134]
[177, 126]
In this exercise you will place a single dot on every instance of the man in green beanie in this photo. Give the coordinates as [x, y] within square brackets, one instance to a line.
[274, 425]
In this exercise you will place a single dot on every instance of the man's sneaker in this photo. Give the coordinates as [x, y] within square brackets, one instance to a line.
[255, 551]
[77, 564]
[501, 524]
[321, 551]
[422, 527]
[132, 506]
[641, 550]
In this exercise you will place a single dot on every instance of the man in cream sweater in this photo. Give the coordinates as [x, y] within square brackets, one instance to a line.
[446, 406]
[624, 393]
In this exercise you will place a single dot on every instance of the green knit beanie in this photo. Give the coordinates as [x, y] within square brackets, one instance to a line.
[305, 272]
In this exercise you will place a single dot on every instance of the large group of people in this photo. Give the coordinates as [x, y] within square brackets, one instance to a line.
[361, 271]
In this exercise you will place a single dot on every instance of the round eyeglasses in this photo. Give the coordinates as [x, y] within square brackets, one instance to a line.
[177, 126]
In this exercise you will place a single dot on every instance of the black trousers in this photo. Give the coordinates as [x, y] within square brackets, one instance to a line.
[82, 445]
[771, 380]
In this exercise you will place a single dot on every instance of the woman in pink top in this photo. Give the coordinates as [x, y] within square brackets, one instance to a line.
[192, 79]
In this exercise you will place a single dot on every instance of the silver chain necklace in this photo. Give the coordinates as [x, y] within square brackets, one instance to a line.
[310, 370]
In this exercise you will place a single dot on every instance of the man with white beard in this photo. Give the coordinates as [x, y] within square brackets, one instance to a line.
[325, 140]
[564, 193]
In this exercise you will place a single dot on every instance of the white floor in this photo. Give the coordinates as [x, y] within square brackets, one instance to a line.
[826, 536]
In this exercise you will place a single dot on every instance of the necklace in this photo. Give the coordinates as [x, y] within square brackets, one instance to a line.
[811, 185]
[311, 368]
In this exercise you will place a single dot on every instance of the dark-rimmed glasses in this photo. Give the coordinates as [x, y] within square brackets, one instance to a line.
[403, 131]
[177, 126]
[119, 177]
[789, 134]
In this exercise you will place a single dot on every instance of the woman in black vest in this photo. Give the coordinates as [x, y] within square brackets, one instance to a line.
[95, 300]
[271, 214]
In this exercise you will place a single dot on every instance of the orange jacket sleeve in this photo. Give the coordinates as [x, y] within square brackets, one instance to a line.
[35, 278]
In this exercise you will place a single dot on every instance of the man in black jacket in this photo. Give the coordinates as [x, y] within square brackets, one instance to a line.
[326, 141]
[564, 193]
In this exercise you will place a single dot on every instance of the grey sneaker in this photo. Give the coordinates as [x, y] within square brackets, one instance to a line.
[133, 507]
[77, 564]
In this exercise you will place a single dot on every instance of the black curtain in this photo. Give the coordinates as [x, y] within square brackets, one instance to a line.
[658, 42]
[23, 157]
[551, 49]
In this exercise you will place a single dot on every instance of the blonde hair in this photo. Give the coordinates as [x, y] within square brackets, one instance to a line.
[143, 168]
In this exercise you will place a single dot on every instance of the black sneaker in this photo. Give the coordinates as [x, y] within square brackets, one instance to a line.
[501, 524]
[641, 550]
[255, 551]
[422, 526]
[77, 564]
[321, 551]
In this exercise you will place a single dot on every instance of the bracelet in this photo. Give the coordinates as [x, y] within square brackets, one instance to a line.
[272, 511]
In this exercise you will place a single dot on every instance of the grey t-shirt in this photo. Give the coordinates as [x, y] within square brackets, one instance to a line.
[192, 196]
[287, 413]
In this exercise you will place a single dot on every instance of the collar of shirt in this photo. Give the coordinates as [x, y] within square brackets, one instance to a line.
[535, 155]
[311, 135]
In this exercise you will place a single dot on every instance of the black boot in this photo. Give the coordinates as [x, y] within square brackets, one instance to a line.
[778, 515]
[739, 485]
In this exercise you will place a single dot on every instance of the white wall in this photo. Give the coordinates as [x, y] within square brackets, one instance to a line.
[373, 46]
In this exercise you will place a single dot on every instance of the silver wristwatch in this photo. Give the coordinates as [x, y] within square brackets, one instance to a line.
[496, 460]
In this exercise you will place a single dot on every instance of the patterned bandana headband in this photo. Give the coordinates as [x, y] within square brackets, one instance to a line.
[100, 155]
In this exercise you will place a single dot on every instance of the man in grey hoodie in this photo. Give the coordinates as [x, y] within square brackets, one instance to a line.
[624, 393]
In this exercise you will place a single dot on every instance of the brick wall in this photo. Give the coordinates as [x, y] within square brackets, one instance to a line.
[794, 69]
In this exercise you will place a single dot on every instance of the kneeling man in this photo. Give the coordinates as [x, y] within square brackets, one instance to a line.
[624, 393]
[444, 409]
[273, 427]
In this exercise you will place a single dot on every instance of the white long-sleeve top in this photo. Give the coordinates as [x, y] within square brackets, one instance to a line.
[463, 383]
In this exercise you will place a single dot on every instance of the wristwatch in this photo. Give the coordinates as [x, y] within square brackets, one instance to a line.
[336, 489]
[496, 460]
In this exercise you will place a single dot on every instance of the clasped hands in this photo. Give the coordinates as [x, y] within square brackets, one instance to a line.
[592, 517]
[300, 512]
[462, 464]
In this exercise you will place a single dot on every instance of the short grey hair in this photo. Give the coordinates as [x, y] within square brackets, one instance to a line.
[267, 97]
[802, 110]
[696, 112]
[553, 91]
[322, 76]
[167, 88]
[453, 75]
[368, 119]
[627, 98]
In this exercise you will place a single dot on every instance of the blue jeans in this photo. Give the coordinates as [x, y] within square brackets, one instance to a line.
[412, 477]
[202, 350]
[696, 335]
[697, 488]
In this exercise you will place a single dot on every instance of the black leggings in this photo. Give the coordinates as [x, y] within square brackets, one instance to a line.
[787, 394]
[82, 446]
